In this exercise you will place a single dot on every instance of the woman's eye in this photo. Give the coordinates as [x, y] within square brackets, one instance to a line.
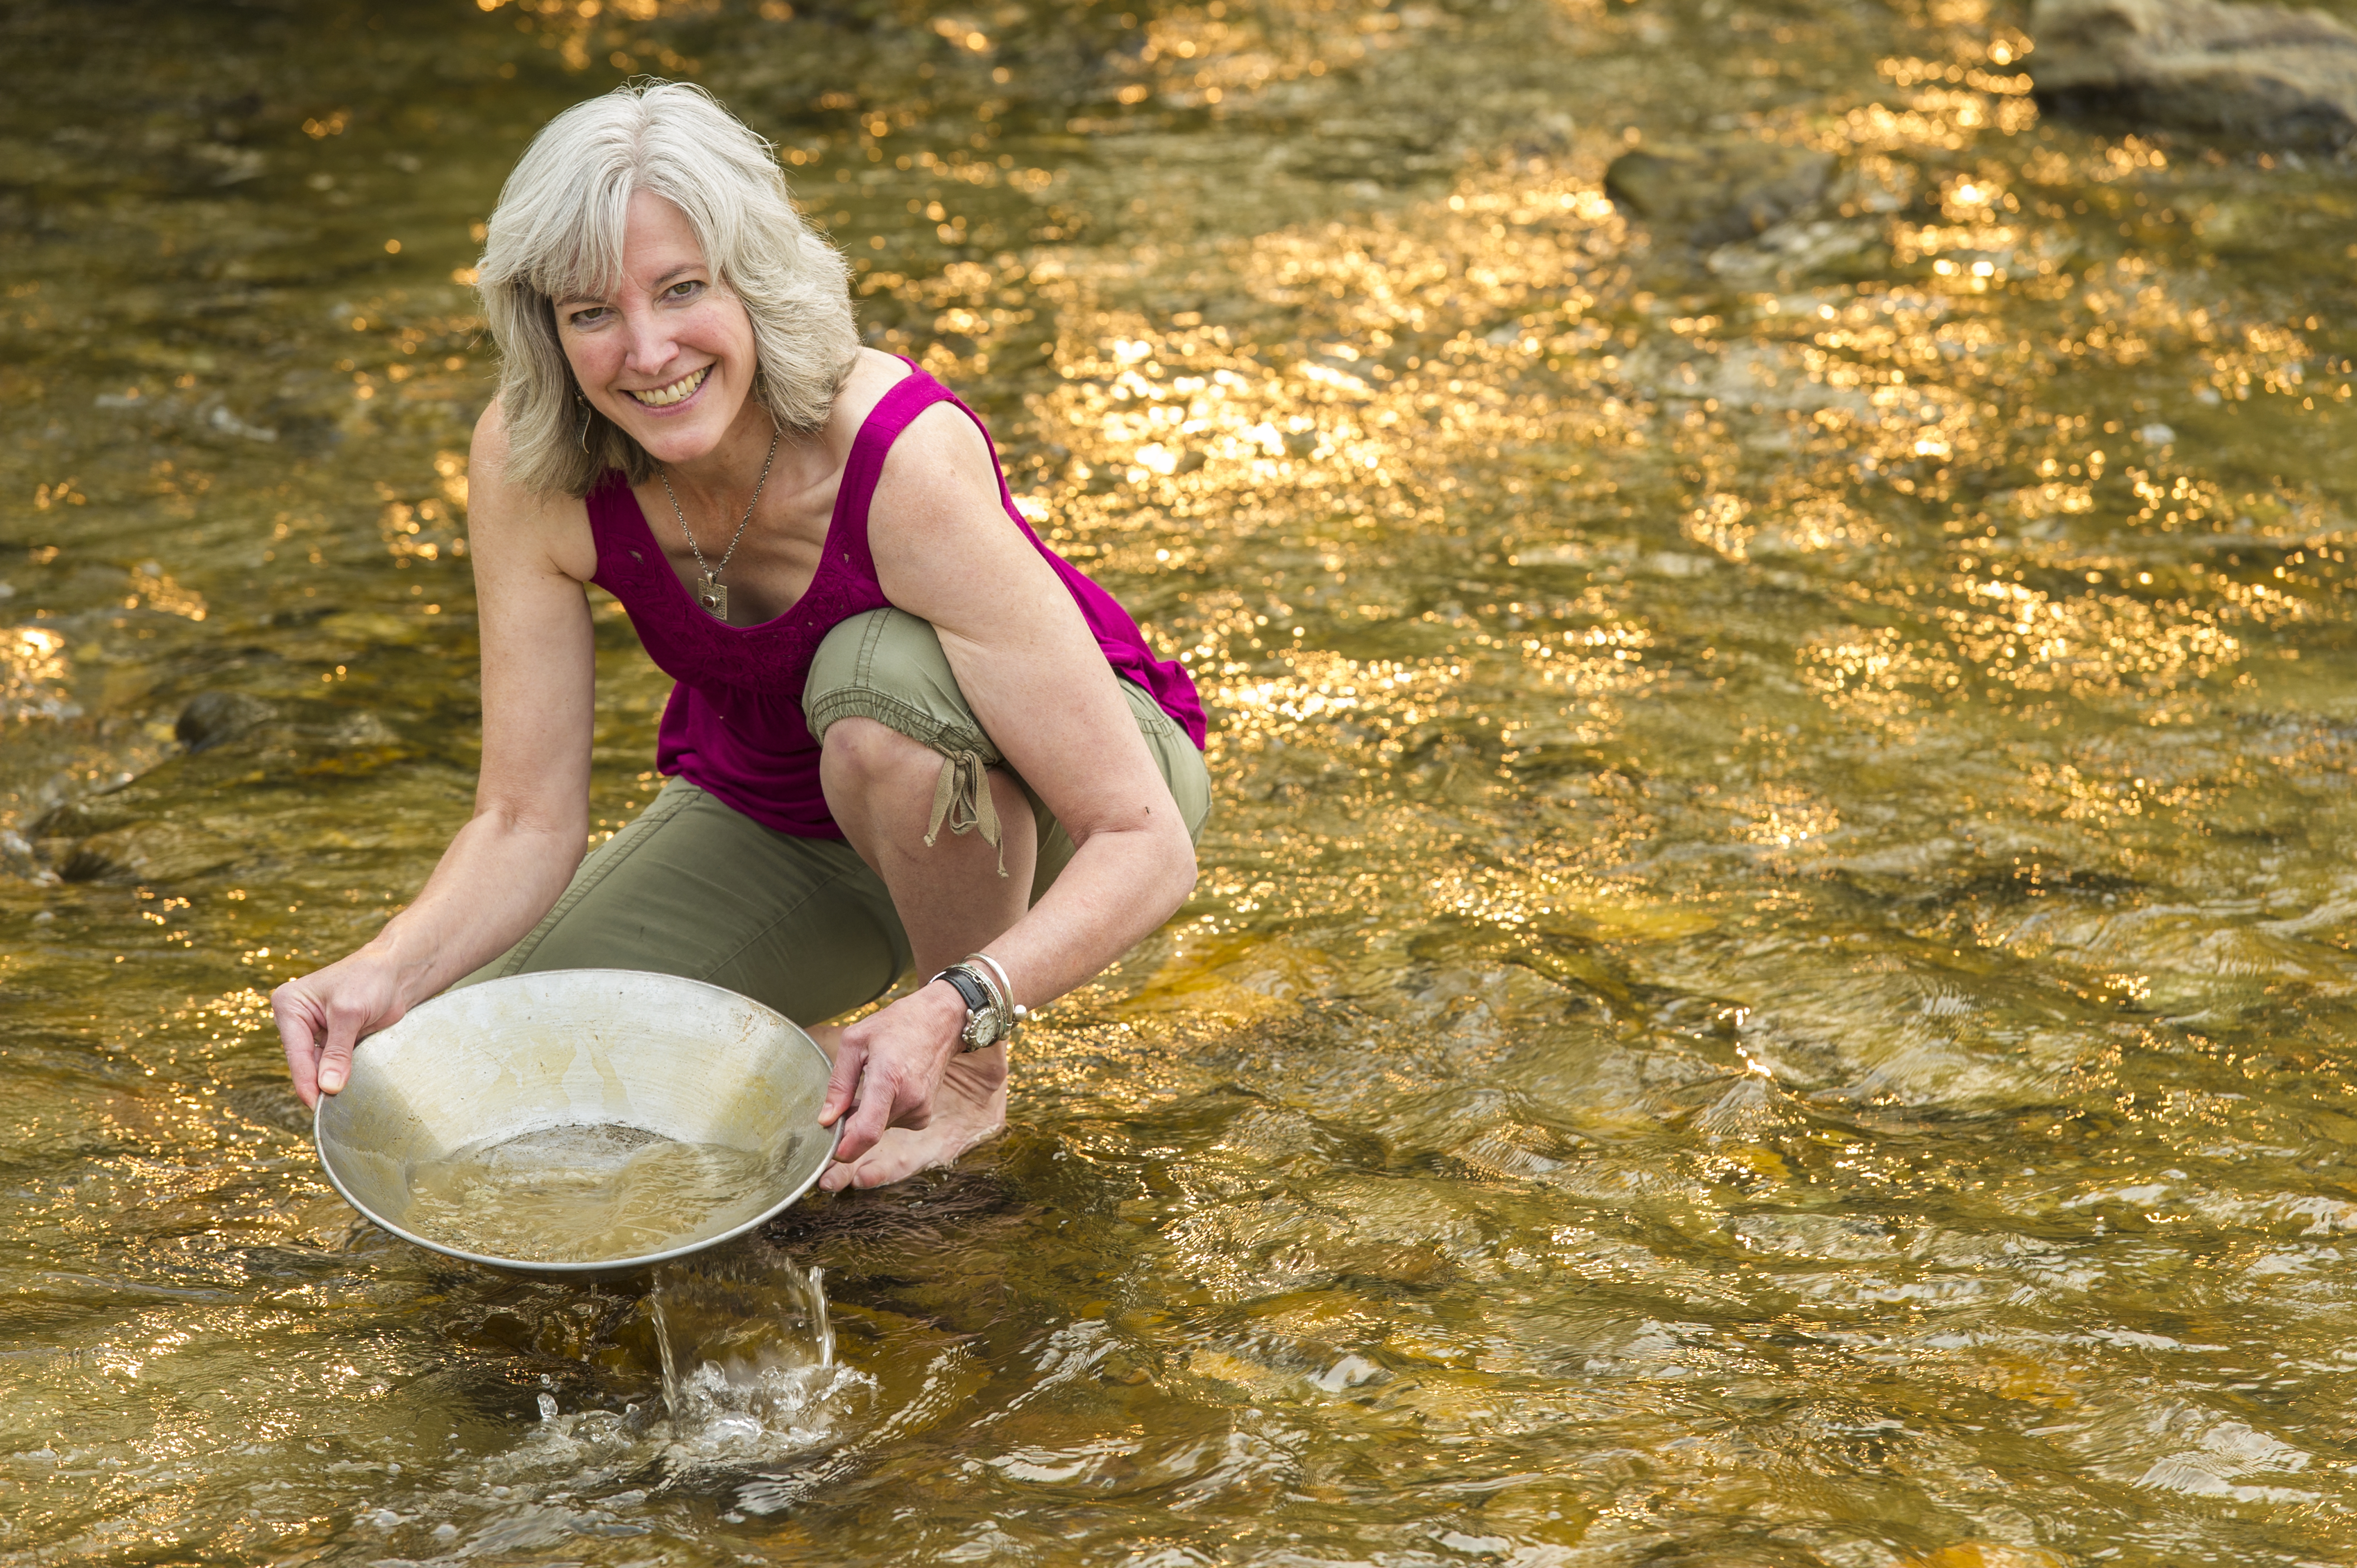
[683, 290]
[589, 318]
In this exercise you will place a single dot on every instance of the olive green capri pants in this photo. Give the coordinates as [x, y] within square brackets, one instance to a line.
[693, 887]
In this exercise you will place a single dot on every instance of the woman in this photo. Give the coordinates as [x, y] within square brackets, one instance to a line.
[870, 645]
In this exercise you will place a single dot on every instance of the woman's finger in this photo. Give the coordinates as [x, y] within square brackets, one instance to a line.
[843, 1083]
[345, 1021]
[336, 1064]
[298, 1033]
[878, 1091]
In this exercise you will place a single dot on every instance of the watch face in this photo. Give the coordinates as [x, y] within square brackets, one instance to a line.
[981, 1021]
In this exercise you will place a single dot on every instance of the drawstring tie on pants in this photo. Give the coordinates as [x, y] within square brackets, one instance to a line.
[962, 796]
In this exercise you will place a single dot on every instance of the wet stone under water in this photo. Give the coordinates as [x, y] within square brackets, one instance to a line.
[1772, 981]
[568, 1194]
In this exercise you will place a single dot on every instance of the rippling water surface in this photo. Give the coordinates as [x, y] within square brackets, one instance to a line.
[1771, 979]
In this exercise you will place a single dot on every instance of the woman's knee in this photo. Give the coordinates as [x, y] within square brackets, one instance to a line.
[887, 666]
[885, 788]
[861, 756]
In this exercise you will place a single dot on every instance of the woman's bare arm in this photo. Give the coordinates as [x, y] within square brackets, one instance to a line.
[1031, 669]
[509, 862]
[1034, 675]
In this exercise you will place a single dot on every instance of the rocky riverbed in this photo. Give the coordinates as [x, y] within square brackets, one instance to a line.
[1770, 980]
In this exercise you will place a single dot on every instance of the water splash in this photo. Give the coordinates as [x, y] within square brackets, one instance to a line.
[751, 1392]
[745, 1352]
[674, 1397]
[747, 1356]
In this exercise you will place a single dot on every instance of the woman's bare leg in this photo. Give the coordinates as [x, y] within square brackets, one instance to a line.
[952, 901]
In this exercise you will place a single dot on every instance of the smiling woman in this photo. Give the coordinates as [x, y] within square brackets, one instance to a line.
[602, 170]
[869, 643]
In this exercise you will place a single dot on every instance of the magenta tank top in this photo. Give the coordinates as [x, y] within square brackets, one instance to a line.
[733, 726]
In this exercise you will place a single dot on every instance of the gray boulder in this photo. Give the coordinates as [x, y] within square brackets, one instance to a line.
[2282, 76]
[212, 717]
[1714, 195]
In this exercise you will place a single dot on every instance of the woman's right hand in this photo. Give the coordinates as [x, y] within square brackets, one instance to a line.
[531, 554]
[322, 1016]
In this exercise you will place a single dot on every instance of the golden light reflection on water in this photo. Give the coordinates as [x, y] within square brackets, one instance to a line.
[1769, 979]
[33, 674]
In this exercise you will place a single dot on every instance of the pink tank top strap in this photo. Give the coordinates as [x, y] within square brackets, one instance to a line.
[1117, 634]
[893, 413]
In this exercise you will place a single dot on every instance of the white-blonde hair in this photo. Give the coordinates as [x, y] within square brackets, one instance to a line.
[557, 234]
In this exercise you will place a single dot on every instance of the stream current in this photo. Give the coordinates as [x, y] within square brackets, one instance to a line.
[1771, 983]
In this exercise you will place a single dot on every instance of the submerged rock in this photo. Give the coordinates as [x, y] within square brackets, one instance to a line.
[169, 824]
[2264, 73]
[1714, 195]
[159, 852]
[212, 717]
[1820, 247]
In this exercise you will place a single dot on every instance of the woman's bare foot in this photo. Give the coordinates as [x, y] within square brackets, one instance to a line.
[969, 1106]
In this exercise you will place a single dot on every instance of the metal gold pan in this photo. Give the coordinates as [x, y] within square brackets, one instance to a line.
[578, 1047]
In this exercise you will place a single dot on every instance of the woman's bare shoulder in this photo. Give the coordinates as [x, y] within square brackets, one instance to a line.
[497, 509]
[873, 374]
[487, 457]
[939, 468]
[486, 454]
[941, 464]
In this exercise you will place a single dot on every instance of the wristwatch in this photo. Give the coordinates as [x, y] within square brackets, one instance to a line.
[983, 1016]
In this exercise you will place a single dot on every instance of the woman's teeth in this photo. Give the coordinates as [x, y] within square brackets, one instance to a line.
[664, 397]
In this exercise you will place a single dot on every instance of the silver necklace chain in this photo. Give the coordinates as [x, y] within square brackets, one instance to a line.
[711, 573]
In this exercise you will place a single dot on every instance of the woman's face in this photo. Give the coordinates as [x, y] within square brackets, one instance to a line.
[668, 354]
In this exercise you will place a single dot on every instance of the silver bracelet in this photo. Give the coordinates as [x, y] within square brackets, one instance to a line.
[1011, 1013]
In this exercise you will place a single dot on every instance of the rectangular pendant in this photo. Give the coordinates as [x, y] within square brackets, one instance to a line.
[713, 595]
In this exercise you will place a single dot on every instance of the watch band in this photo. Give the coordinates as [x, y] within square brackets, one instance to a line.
[981, 1012]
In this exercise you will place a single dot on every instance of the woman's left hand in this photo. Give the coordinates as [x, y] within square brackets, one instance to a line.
[888, 1068]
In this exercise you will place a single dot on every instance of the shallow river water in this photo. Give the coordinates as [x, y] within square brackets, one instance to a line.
[1771, 980]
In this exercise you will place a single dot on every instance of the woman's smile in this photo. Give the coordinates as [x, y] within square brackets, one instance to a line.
[677, 391]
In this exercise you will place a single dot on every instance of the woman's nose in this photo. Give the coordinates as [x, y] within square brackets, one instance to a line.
[651, 343]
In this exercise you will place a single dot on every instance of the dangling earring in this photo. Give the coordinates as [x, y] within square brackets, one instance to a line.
[586, 414]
